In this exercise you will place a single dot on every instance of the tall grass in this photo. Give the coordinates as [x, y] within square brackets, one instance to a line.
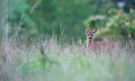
[46, 59]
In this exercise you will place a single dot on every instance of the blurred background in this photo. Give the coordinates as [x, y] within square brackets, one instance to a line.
[115, 19]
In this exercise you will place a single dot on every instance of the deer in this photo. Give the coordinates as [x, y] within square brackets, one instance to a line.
[100, 45]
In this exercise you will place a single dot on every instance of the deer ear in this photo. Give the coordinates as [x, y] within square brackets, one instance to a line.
[85, 29]
[95, 30]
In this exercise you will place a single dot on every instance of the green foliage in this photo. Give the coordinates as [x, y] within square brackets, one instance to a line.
[50, 17]
[17, 10]
[126, 5]
[116, 25]
[47, 16]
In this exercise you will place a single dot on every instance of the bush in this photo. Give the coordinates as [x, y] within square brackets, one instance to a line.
[115, 25]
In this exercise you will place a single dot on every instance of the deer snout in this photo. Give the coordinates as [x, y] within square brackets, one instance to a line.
[90, 38]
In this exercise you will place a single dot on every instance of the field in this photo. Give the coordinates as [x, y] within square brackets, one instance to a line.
[49, 60]
[45, 40]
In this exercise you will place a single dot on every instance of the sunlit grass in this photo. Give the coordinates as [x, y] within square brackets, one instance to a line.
[68, 62]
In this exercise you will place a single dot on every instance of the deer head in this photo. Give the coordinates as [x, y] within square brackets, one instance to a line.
[89, 34]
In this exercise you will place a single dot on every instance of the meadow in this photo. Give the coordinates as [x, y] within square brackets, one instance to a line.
[46, 59]
[44, 40]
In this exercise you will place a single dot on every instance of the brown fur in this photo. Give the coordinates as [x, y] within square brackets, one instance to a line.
[100, 45]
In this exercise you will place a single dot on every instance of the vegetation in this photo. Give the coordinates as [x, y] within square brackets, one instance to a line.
[48, 60]
[44, 40]
[47, 17]
[116, 25]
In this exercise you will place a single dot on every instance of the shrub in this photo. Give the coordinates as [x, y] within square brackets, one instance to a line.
[115, 25]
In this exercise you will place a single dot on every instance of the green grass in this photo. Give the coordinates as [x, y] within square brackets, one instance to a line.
[68, 62]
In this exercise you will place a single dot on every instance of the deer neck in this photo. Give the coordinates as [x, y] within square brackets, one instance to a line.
[89, 43]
